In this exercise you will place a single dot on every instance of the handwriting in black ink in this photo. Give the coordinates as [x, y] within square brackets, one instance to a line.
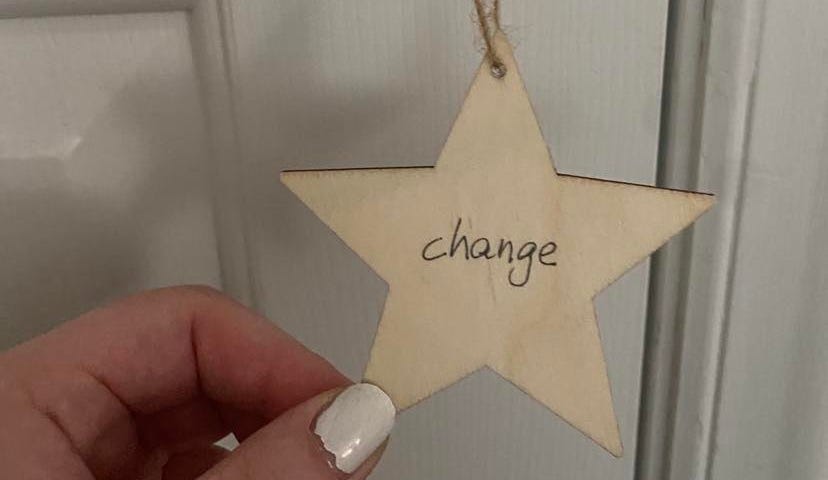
[483, 248]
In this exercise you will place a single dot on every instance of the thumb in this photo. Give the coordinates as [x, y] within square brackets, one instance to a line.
[332, 436]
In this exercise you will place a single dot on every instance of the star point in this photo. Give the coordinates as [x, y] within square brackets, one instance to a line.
[493, 259]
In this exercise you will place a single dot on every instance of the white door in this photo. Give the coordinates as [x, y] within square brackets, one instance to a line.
[141, 142]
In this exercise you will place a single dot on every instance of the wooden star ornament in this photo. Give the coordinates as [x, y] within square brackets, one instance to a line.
[493, 259]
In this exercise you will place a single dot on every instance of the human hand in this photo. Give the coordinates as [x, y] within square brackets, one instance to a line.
[141, 389]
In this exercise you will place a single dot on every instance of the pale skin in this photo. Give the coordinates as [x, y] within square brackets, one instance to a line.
[141, 388]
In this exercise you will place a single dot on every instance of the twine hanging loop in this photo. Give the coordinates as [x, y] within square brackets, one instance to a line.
[489, 23]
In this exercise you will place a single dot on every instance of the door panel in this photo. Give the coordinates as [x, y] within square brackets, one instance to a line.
[103, 165]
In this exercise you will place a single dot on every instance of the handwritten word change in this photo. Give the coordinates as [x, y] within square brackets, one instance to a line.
[481, 248]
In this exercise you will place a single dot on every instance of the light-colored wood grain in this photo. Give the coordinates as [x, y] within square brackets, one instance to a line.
[525, 311]
[377, 84]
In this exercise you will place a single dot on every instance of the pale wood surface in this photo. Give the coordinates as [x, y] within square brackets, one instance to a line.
[378, 83]
[479, 304]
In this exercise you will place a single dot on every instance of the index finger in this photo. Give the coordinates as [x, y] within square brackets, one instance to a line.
[163, 348]
[172, 368]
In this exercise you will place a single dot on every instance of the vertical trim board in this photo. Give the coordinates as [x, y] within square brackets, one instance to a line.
[687, 30]
[731, 62]
[211, 33]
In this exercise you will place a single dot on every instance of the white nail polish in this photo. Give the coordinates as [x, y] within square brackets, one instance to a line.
[355, 424]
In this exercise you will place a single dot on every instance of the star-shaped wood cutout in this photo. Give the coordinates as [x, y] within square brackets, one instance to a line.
[493, 258]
